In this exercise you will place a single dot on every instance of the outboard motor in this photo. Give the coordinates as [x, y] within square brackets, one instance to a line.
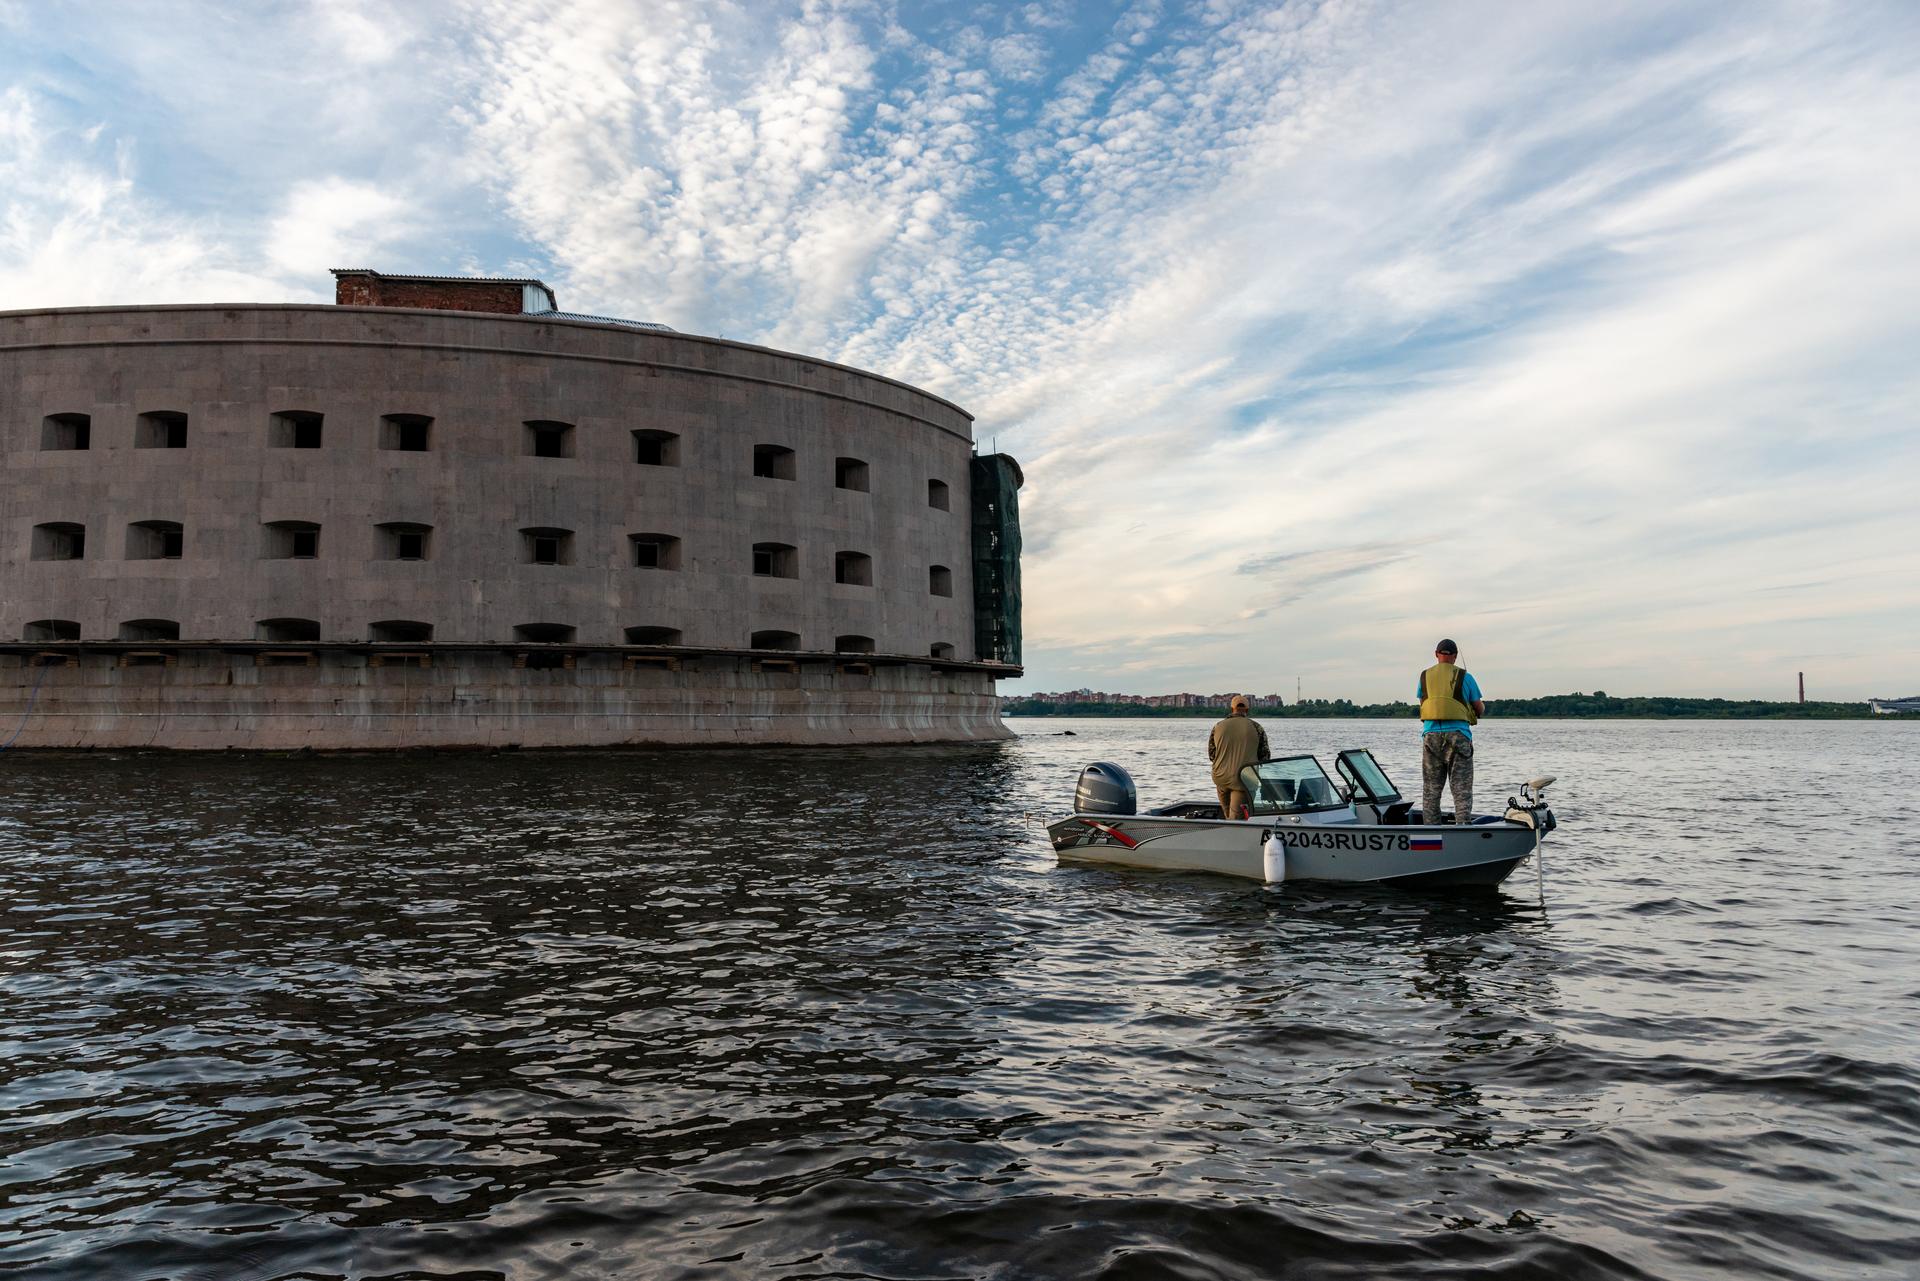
[1104, 788]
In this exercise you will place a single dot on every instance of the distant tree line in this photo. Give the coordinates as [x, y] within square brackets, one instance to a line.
[1598, 704]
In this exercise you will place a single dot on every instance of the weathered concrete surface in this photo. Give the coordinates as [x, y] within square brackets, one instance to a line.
[214, 701]
[475, 490]
[480, 378]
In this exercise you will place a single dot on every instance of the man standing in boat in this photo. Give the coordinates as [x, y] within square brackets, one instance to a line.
[1236, 742]
[1450, 706]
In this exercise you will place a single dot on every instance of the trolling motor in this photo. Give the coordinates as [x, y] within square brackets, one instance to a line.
[1531, 808]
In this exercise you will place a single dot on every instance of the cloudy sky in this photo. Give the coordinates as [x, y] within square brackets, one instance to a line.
[1587, 333]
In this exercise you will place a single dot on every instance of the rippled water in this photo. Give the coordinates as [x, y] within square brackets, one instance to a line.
[839, 1013]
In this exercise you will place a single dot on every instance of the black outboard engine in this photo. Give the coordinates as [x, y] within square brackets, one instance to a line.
[1104, 788]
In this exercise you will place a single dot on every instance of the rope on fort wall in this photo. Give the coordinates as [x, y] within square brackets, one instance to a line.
[32, 698]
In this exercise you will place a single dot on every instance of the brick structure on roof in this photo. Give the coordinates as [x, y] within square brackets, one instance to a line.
[353, 288]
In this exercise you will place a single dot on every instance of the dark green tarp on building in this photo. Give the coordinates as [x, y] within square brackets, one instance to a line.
[996, 558]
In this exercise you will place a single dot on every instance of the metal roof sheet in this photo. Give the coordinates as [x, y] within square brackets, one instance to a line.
[609, 320]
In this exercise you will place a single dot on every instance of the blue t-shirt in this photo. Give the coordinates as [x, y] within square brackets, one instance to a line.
[1469, 694]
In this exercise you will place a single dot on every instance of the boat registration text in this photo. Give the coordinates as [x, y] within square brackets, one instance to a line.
[1354, 841]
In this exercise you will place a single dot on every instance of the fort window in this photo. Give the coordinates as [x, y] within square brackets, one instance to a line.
[59, 540]
[154, 540]
[940, 580]
[51, 629]
[294, 429]
[775, 462]
[850, 473]
[549, 439]
[774, 640]
[400, 540]
[775, 560]
[937, 494]
[66, 431]
[292, 540]
[287, 631]
[853, 644]
[405, 432]
[656, 448]
[400, 631]
[544, 633]
[656, 551]
[547, 546]
[150, 629]
[940, 650]
[161, 429]
[653, 635]
[853, 568]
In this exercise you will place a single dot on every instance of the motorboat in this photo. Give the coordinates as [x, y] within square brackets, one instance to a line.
[1302, 826]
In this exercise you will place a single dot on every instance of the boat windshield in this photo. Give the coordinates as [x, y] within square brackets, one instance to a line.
[1370, 782]
[1293, 785]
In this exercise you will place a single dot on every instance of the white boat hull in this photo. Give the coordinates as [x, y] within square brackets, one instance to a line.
[1267, 850]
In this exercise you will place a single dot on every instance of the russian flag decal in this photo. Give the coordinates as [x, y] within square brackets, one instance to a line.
[1426, 843]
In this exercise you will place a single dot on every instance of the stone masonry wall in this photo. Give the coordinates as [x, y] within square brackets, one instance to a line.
[214, 702]
[477, 486]
[237, 373]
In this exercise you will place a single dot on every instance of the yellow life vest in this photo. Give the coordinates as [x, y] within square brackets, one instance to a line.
[1440, 695]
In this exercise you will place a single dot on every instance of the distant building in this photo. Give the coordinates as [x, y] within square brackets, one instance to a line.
[1142, 700]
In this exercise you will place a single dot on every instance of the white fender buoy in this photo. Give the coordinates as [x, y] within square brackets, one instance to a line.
[1273, 856]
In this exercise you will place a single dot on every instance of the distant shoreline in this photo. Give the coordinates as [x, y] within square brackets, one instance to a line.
[1596, 706]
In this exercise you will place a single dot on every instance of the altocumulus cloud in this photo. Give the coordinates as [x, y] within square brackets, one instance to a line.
[1322, 329]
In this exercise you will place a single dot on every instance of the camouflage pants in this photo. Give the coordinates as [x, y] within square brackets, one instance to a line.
[1446, 756]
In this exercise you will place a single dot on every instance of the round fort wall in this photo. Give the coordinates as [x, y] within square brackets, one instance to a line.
[546, 513]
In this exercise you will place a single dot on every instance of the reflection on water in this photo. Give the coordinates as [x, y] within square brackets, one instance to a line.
[838, 1013]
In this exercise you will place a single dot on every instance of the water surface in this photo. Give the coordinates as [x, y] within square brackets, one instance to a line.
[838, 1013]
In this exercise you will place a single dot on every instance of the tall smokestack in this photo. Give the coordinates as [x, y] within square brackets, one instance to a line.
[1803, 687]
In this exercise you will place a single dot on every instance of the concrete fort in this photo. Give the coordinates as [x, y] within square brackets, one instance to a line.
[454, 524]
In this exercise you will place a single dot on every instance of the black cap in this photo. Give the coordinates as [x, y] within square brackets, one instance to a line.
[1446, 647]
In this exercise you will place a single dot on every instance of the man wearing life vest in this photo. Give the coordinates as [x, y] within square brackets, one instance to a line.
[1236, 742]
[1450, 706]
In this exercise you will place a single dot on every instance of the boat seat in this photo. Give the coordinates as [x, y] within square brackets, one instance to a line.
[1317, 791]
